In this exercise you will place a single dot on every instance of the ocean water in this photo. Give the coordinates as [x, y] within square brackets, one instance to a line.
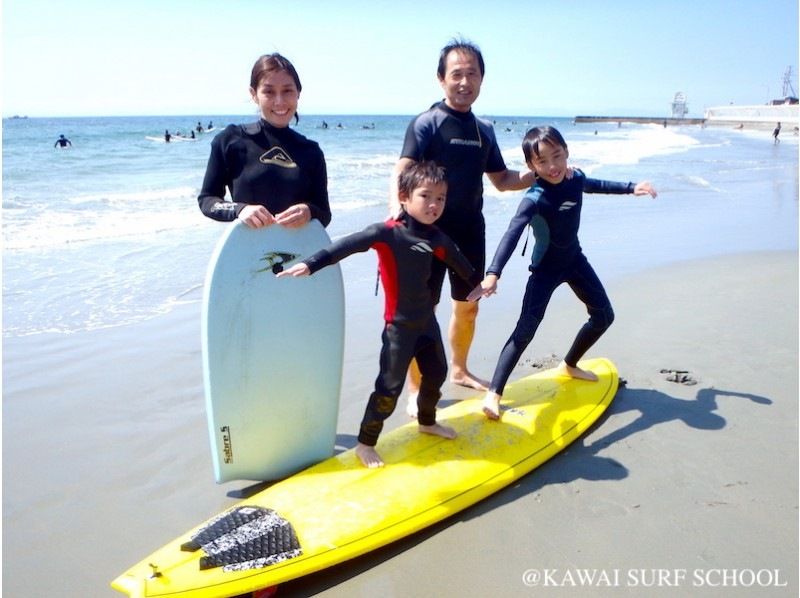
[108, 232]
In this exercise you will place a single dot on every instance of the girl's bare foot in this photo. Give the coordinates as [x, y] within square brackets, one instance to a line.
[368, 456]
[438, 430]
[491, 405]
[576, 372]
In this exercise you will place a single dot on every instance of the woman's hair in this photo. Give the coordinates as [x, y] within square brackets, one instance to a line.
[538, 135]
[416, 174]
[459, 45]
[271, 63]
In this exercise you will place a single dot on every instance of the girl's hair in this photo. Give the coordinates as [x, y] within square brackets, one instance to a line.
[271, 63]
[460, 45]
[538, 135]
[416, 174]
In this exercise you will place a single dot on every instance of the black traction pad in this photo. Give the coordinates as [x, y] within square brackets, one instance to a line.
[245, 538]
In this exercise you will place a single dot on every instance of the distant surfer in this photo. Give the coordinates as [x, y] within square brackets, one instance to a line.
[274, 174]
[776, 132]
[552, 207]
[199, 127]
[167, 136]
[407, 247]
[62, 142]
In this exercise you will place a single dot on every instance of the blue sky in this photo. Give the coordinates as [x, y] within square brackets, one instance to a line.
[554, 58]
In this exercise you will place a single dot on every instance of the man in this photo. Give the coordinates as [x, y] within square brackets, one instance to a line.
[450, 134]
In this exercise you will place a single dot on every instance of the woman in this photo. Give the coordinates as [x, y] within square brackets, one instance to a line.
[274, 174]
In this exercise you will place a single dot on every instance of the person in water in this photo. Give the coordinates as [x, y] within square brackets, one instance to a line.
[552, 208]
[62, 142]
[776, 132]
[167, 136]
[407, 247]
[274, 174]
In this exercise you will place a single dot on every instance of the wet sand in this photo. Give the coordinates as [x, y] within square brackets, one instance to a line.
[679, 489]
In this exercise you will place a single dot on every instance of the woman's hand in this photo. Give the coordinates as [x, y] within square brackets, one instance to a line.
[256, 216]
[295, 217]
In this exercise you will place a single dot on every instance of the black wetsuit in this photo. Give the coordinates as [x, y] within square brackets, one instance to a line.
[406, 251]
[466, 147]
[264, 165]
[554, 213]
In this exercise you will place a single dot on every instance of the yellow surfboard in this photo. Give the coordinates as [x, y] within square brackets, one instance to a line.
[338, 509]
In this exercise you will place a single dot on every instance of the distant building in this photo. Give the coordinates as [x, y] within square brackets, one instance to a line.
[679, 107]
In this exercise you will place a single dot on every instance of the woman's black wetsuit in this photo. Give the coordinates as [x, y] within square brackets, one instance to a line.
[264, 165]
[554, 213]
[406, 250]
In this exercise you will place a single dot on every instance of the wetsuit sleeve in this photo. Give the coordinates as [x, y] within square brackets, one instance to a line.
[217, 177]
[318, 202]
[418, 136]
[451, 255]
[494, 161]
[526, 210]
[341, 248]
[610, 187]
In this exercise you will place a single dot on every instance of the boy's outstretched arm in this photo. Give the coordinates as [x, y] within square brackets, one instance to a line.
[645, 188]
[300, 269]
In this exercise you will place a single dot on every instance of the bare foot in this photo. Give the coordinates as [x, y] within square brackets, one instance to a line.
[438, 430]
[467, 379]
[368, 456]
[491, 405]
[411, 407]
[575, 372]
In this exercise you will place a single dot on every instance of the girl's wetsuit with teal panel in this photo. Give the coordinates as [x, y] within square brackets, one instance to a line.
[554, 212]
[406, 251]
[264, 165]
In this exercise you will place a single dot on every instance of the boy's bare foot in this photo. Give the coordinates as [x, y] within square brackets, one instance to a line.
[411, 407]
[575, 372]
[491, 405]
[465, 378]
[368, 456]
[438, 430]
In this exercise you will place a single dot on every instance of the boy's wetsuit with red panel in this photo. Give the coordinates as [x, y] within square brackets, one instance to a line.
[406, 251]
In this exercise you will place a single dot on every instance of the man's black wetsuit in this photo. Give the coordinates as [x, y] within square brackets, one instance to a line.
[554, 213]
[264, 165]
[407, 249]
[466, 147]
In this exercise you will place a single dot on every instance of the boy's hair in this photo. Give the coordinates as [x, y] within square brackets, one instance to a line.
[461, 45]
[537, 136]
[416, 174]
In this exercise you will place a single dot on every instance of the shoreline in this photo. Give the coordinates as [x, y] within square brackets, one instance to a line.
[106, 457]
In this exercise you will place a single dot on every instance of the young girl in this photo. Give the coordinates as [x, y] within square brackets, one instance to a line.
[552, 207]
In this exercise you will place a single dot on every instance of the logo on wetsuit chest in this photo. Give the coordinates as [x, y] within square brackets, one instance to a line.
[422, 247]
[278, 157]
[567, 205]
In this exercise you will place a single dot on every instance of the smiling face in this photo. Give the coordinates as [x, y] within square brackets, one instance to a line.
[426, 202]
[550, 163]
[462, 80]
[277, 98]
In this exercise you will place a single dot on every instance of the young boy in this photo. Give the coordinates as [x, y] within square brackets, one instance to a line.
[552, 207]
[406, 249]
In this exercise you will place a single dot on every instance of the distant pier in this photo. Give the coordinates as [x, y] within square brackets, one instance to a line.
[640, 120]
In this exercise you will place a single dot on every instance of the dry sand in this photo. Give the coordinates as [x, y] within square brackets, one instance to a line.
[679, 490]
